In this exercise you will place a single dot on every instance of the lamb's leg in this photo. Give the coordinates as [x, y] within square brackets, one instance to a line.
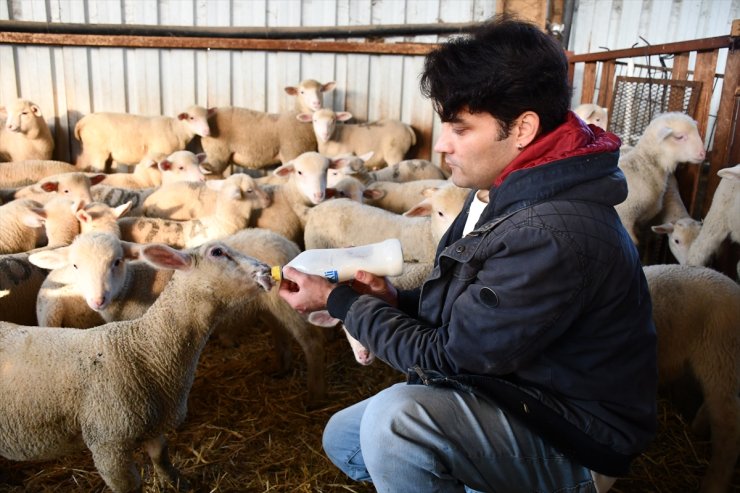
[117, 468]
[158, 452]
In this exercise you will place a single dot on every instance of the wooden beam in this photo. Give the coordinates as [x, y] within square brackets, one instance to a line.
[661, 49]
[589, 83]
[606, 88]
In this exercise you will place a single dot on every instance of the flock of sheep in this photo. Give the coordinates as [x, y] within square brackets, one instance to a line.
[161, 212]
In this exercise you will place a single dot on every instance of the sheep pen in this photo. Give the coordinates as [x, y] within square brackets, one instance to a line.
[247, 431]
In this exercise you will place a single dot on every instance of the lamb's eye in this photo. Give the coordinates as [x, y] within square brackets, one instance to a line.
[217, 252]
[74, 265]
[117, 262]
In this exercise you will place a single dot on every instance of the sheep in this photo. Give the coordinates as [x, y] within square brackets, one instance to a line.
[121, 385]
[389, 140]
[21, 173]
[21, 225]
[309, 94]
[593, 114]
[233, 208]
[697, 313]
[124, 291]
[116, 197]
[254, 139]
[669, 139]
[20, 281]
[192, 200]
[306, 187]
[362, 355]
[722, 219]
[349, 188]
[75, 186]
[129, 139]
[403, 171]
[178, 166]
[97, 216]
[399, 197]
[25, 134]
[343, 223]
[681, 234]
[146, 174]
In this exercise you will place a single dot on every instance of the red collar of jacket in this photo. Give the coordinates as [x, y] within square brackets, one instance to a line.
[572, 138]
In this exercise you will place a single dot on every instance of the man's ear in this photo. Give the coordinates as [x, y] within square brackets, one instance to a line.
[526, 128]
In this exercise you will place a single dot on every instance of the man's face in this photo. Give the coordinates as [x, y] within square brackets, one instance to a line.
[473, 150]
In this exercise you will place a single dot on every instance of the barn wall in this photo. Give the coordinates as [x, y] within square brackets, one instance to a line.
[69, 82]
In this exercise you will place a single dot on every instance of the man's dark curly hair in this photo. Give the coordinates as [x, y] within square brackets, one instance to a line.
[504, 67]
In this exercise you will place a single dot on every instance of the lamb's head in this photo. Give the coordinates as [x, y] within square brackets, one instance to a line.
[217, 269]
[242, 187]
[196, 119]
[307, 175]
[592, 114]
[310, 94]
[74, 186]
[96, 263]
[443, 204]
[21, 116]
[674, 138]
[100, 217]
[681, 234]
[347, 165]
[182, 166]
[324, 122]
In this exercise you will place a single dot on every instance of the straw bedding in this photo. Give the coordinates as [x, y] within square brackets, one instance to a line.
[248, 431]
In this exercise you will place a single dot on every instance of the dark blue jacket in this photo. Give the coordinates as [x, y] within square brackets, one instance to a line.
[543, 308]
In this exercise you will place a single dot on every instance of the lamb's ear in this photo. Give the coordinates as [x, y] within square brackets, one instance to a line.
[50, 259]
[663, 229]
[328, 86]
[165, 257]
[292, 90]
[34, 217]
[164, 165]
[284, 170]
[83, 216]
[49, 186]
[201, 157]
[304, 117]
[122, 209]
[322, 319]
[211, 112]
[423, 208]
[343, 116]
[97, 178]
[373, 193]
[664, 132]
[730, 173]
[131, 251]
[36, 110]
[366, 157]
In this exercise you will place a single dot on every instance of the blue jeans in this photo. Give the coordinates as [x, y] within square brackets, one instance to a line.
[414, 438]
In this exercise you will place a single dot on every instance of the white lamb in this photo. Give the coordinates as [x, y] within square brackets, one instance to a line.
[122, 385]
[668, 140]
[108, 280]
[403, 171]
[722, 220]
[146, 174]
[25, 134]
[389, 140]
[129, 139]
[178, 166]
[681, 234]
[399, 197]
[254, 139]
[192, 200]
[697, 314]
[309, 94]
[234, 207]
[344, 223]
[21, 173]
[75, 186]
[593, 114]
[21, 225]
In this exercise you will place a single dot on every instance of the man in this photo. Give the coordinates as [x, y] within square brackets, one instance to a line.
[530, 349]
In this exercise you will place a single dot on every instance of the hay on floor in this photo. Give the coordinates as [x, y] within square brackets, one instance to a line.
[248, 431]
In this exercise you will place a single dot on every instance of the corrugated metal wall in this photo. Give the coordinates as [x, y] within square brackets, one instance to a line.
[69, 82]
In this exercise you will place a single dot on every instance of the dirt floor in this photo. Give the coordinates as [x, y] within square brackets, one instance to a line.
[247, 431]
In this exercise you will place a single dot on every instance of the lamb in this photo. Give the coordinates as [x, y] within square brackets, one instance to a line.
[75, 186]
[362, 355]
[25, 134]
[306, 187]
[21, 225]
[21, 173]
[125, 290]
[399, 197]
[192, 200]
[722, 220]
[20, 281]
[124, 384]
[403, 171]
[125, 138]
[309, 94]
[681, 234]
[389, 140]
[349, 188]
[146, 174]
[593, 114]
[254, 139]
[668, 140]
[97, 216]
[697, 313]
[233, 209]
[343, 223]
